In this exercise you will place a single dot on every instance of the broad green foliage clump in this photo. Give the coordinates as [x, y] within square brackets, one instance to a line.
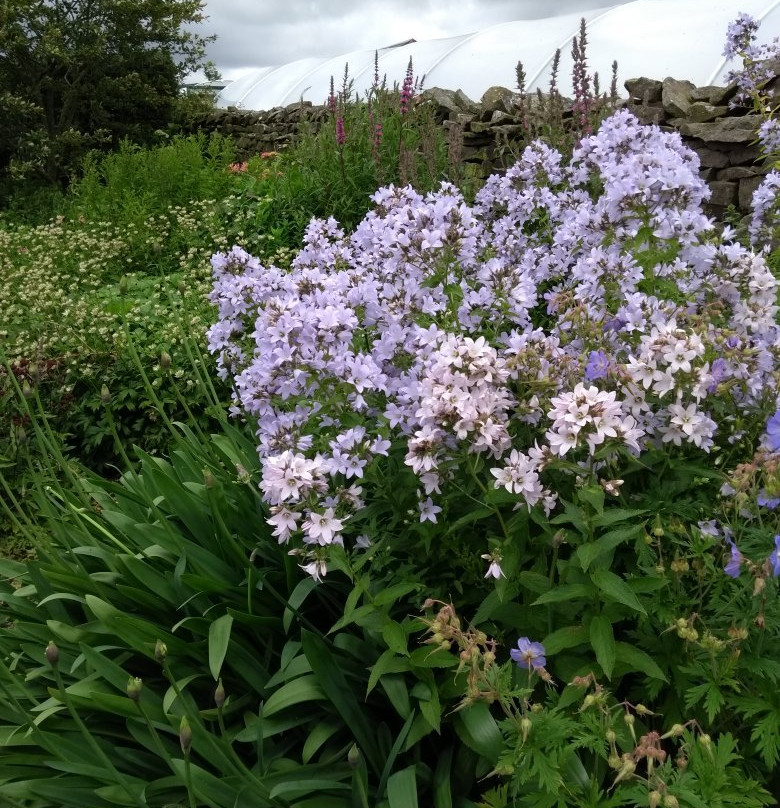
[497, 527]
[494, 522]
[83, 75]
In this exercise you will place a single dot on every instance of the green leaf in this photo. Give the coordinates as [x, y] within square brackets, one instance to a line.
[594, 496]
[636, 659]
[300, 787]
[392, 594]
[616, 588]
[614, 515]
[479, 731]
[219, 637]
[442, 789]
[432, 658]
[330, 678]
[306, 688]
[602, 638]
[388, 662]
[395, 637]
[588, 553]
[563, 638]
[395, 688]
[402, 789]
[564, 592]
[299, 594]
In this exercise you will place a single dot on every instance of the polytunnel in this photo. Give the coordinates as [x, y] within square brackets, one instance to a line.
[655, 38]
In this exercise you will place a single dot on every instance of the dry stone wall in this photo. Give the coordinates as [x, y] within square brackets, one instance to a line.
[490, 131]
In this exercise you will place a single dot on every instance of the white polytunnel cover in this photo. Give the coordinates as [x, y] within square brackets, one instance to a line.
[654, 38]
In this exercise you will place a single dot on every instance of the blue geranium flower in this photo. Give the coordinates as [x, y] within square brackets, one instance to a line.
[529, 654]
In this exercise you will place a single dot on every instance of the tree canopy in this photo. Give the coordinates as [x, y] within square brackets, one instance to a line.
[81, 74]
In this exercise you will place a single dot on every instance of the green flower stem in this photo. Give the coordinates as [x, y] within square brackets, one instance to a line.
[95, 746]
[188, 781]
[115, 435]
[16, 513]
[147, 384]
[483, 488]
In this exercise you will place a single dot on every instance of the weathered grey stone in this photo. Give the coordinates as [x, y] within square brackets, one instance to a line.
[643, 89]
[496, 98]
[477, 128]
[744, 155]
[702, 111]
[712, 94]
[499, 117]
[746, 188]
[464, 102]
[464, 118]
[445, 101]
[676, 96]
[723, 193]
[740, 173]
[647, 114]
[509, 130]
[726, 130]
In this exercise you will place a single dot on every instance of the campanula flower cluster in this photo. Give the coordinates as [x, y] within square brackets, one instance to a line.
[573, 312]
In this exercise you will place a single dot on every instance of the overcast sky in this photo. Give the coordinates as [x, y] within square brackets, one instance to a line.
[258, 33]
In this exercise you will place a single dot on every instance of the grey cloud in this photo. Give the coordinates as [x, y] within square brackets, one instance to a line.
[253, 34]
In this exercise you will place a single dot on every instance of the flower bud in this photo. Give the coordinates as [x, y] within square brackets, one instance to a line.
[353, 756]
[185, 735]
[525, 727]
[654, 799]
[105, 395]
[21, 435]
[134, 686]
[208, 478]
[52, 654]
[160, 650]
[219, 695]
[641, 710]
[610, 736]
[614, 762]
[670, 801]
[26, 389]
[242, 474]
[123, 286]
[165, 360]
